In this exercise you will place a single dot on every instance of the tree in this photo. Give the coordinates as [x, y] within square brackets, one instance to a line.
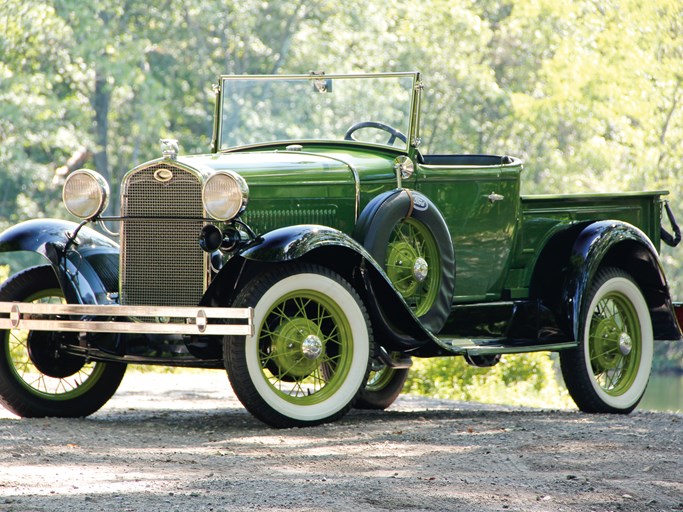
[39, 114]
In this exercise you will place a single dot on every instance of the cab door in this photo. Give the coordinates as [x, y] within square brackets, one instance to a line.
[480, 204]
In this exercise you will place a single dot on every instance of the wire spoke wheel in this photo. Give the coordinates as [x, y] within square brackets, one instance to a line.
[32, 359]
[408, 238]
[413, 264]
[305, 347]
[37, 376]
[615, 344]
[384, 384]
[309, 356]
[610, 369]
[380, 378]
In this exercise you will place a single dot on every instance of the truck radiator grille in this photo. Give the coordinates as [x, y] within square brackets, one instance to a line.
[161, 261]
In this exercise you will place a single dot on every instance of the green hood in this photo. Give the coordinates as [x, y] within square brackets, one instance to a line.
[324, 165]
[323, 187]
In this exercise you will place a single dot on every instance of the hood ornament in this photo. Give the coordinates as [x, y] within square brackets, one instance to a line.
[169, 148]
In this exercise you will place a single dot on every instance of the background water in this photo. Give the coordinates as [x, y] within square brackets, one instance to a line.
[664, 393]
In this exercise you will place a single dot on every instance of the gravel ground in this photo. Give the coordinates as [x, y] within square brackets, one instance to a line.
[182, 442]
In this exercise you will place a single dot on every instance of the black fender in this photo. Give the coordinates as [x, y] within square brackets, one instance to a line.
[621, 245]
[376, 224]
[87, 269]
[395, 326]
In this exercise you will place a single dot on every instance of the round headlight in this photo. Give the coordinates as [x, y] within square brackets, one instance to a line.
[85, 193]
[225, 195]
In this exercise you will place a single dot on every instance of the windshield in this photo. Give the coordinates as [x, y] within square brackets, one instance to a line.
[374, 109]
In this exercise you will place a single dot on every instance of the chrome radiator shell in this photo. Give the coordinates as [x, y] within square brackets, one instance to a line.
[161, 261]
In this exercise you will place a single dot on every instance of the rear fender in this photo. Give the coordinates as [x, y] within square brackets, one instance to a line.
[622, 245]
[393, 321]
[87, 270]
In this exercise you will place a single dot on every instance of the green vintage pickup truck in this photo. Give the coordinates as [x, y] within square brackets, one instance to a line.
[316, 251]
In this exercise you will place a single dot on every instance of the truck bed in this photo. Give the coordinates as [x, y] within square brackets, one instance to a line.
[543, 216]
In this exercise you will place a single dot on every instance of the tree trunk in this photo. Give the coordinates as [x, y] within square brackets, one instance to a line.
[100, 103]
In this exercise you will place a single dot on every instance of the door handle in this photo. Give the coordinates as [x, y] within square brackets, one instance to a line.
[493, 197]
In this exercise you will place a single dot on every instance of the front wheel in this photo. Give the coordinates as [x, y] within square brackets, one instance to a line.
[609, 370]
[37, 378]
[309, 355]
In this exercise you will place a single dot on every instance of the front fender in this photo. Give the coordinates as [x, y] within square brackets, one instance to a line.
[293, 242]
[87, 269]
[622, 245]
[393, 321]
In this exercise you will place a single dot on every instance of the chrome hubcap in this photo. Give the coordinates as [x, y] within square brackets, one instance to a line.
[420, 269]
[625, 344]
[312, 347]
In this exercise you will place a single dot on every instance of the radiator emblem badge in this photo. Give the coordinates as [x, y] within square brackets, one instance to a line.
[163, 175]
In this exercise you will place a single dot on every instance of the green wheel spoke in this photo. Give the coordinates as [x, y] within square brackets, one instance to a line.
[595, 357]
[18, 341]
[300, 307]
[279, 311]
[294, 364]
[272, 334]
[330, 359]
[61, 385]
[35, 383]
[318, 377]
[320, 320]
[401, 235]
[322, 315]
[333, 335]
[405, 279]
[300, 391]
[266, 358]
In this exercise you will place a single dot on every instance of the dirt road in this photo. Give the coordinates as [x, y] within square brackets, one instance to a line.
[187, 445]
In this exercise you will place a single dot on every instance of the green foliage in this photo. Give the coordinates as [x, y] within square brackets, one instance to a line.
[523, 379]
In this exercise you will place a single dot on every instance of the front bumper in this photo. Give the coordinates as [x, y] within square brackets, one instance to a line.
[198, 321]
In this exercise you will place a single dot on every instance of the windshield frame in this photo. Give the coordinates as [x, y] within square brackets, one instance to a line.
[413, 135]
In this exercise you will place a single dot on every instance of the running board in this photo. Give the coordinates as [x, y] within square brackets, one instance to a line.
[483, 347]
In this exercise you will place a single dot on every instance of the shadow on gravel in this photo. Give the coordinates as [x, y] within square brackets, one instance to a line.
[199, 419]
[413, 458]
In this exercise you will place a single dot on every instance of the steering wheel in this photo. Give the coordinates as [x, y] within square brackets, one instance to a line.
[395, 134]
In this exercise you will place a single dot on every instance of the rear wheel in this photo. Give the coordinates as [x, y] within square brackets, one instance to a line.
[383, 386]
[609, 370]
[37, 378]
[309, 355]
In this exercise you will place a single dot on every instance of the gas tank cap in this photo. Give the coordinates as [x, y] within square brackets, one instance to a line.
[294, 147]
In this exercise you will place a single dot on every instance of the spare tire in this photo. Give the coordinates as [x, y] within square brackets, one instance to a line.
[408, 237]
